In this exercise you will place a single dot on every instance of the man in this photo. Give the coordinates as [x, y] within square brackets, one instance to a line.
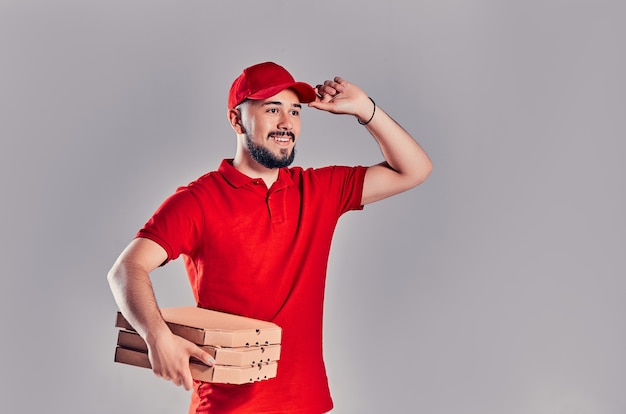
[255, 237]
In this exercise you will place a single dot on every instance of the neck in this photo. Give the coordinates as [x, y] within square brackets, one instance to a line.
[246, 165]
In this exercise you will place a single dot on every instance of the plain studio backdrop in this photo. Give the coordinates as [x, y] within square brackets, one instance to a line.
[495, 287]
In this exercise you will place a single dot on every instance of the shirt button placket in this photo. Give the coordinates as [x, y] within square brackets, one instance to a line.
[274, 208]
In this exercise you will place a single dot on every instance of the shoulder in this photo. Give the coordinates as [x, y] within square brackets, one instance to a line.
[205, 179]
[190, 196]
[202, 184]
[329, 171]
[329, 176]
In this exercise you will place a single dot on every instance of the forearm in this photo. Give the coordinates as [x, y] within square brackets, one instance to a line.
[401, 151]
[133, 293]
[130, 283]
[406, 164]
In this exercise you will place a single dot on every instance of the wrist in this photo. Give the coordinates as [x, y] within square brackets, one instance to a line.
[157, 333]
[366, 117]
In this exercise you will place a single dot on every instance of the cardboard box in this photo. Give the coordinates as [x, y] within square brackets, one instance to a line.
[242, 356]
[199, 371]
[209, 327]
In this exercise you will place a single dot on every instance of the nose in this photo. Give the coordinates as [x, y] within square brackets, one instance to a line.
[285, 122]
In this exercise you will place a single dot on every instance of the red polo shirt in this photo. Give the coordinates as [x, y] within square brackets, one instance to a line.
[263, 254]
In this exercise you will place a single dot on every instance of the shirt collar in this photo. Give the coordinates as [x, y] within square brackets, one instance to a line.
[238, 179]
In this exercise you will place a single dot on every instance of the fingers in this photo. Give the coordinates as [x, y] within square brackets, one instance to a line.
[177, 374]
[331, 88]
[202, 356]
[338, 96]
[340, 81]
[194, 351]
[170, 360]
[187, 381]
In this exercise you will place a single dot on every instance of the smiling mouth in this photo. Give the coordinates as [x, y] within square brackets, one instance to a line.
[282, 137]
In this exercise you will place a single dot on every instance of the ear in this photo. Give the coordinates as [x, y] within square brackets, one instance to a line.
[234, 117]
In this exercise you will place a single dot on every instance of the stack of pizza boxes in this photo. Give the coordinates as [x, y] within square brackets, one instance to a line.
[245, 349]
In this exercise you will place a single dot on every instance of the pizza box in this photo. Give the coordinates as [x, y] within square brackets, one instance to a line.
[209, 327]
[241, 356]
[217, 373]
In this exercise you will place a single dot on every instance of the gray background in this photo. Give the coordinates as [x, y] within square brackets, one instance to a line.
[495, 287]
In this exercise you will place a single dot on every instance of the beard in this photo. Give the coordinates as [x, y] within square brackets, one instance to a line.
[266, 158]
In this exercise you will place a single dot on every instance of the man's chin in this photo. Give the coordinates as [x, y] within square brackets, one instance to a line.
[269, 159]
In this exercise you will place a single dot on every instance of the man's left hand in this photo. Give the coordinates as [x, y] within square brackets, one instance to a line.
[338, 96]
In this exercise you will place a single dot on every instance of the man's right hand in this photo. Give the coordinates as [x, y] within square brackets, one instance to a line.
[169, 356]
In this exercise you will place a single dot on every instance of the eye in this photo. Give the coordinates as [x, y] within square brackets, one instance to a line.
[272, 110]
[295, 112]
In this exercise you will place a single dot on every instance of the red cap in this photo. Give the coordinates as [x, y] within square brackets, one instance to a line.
[264, 80]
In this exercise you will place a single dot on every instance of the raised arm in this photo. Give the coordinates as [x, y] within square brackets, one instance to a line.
[406, 164]
[129, 279]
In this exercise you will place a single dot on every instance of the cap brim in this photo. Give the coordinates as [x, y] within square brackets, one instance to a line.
[305, 92]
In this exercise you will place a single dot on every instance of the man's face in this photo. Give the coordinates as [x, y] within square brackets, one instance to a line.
[271, 127]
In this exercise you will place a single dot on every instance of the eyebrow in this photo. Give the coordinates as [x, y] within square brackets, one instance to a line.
[297, 105]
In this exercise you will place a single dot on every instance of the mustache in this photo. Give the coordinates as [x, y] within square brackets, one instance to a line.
[282, 134]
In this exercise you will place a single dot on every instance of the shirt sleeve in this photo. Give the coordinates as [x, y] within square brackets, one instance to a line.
[176, 225]
[347, 183]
